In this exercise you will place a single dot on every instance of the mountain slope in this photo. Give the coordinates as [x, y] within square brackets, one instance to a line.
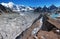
[4, 9]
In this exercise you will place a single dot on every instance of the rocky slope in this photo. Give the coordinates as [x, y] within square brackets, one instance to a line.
[40, 30]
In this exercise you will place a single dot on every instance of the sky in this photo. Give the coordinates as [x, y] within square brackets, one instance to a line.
[34, 3]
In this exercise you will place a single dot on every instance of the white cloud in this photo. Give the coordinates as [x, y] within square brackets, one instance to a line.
[10, 4]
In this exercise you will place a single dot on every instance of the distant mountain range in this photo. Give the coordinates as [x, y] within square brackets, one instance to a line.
[51, 8]
[11, 7]
[15, 7]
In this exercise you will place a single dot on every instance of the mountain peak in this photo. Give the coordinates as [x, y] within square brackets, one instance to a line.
[10, 4]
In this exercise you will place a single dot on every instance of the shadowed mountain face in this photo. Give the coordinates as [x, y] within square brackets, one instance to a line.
[52, 7]
[39, 9]
[45, 9]
[4, 9]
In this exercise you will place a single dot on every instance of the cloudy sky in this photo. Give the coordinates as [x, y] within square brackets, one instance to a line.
[33, 2]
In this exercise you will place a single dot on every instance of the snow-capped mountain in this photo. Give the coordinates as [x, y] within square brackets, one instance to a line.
[15, 7]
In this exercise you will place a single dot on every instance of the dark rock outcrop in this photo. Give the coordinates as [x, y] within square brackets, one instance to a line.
[46, 25]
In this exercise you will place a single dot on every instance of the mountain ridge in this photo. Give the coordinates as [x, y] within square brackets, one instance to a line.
[15, 7]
